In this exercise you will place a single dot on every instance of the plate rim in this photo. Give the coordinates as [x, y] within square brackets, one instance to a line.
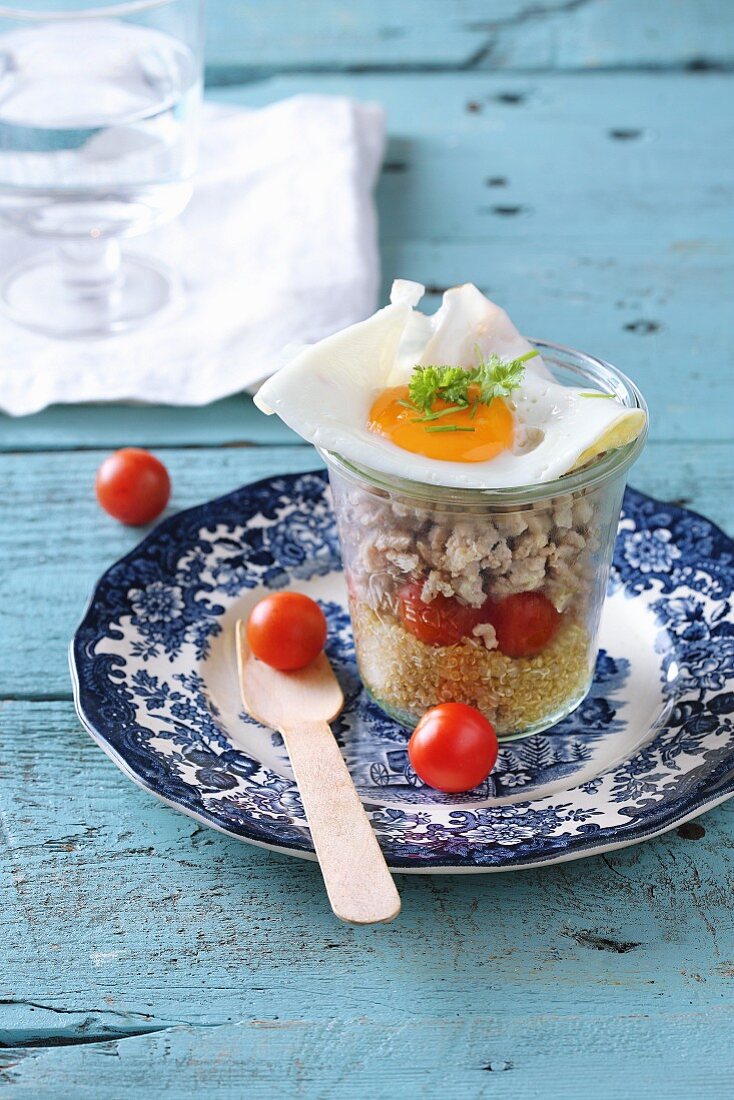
[579, 848]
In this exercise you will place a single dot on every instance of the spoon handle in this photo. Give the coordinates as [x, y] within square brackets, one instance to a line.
[357, 879]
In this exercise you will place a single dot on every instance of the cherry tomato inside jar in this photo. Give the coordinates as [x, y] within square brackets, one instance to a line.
[524, 623]
[443, 621]
[453, 748]
[286, 630]
[133, 486]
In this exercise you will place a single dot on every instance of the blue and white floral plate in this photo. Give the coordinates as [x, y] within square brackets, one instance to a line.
[155, 681]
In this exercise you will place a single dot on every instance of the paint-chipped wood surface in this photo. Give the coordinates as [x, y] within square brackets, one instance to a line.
[248, 40]
[574, 158]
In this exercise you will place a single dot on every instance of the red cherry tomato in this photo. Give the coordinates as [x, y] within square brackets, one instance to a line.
[286, 630]
[443, 621]
[133, 486]
[453, 748]
[524, 623]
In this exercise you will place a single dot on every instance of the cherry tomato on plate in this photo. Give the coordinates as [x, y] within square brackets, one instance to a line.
[286, 630]
[453, 748]
[443, 621]
[133, 486]
[524, 623]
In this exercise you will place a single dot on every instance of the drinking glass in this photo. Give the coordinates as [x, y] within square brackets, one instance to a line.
[98, 114]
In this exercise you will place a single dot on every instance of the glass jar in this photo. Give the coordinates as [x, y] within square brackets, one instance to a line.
[488, 597]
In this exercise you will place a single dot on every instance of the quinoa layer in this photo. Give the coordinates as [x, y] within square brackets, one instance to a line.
[407, 675]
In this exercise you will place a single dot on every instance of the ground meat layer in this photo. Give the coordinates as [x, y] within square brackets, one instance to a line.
[552, 549]
[408, 676]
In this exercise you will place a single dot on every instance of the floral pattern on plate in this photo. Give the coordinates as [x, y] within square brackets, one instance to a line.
[652, 745]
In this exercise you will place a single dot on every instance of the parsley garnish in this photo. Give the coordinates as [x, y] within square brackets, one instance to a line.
[498, 378]
[494, 377]
[596, 393]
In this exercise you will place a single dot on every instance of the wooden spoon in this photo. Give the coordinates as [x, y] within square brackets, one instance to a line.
[300, 705]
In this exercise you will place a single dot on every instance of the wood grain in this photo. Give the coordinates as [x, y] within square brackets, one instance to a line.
[482, 1058]
[119, 914]
[246, 41]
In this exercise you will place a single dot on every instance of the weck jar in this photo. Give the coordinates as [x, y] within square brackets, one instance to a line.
[491, 597]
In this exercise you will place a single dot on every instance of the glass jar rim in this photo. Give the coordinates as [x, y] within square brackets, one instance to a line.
[609, 465]
[96, 10]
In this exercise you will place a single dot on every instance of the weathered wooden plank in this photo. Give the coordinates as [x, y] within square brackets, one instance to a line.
[119, 915]
[683, 1055]
[232, 422]
[633, 156]
[609, 34]
[55, 540]
[338, 35]
[248, 40]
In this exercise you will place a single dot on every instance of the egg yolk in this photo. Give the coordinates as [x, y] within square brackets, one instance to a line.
[473, 434]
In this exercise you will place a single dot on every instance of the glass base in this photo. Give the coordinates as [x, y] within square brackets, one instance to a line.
[42, 294]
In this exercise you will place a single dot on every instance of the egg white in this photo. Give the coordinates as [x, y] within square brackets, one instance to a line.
[326, 391]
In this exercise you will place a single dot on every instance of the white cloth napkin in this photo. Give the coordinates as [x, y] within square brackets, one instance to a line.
[278, 246]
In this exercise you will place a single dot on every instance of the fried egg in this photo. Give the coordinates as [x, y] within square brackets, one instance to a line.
[349, 394]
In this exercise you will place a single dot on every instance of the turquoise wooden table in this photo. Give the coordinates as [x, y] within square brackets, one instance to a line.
[574, 158]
